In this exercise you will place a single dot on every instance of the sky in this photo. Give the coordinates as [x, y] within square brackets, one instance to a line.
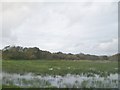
[69, 27]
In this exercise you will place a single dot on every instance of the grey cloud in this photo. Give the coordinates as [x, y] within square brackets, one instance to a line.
[66, 27]
[108, 46]
[13, 15]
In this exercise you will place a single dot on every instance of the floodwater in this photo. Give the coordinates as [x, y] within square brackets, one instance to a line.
[66, 81]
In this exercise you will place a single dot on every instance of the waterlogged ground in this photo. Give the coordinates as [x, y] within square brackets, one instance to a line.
[67, 81]
[60, 73]
[0, 80]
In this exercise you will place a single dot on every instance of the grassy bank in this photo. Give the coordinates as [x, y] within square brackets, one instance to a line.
[59, 67]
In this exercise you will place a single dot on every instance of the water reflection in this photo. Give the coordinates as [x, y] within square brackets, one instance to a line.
[67, 81]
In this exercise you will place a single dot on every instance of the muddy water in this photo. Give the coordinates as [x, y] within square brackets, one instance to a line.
[67, 81]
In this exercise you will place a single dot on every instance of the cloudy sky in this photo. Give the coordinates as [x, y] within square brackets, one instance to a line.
[69, 27]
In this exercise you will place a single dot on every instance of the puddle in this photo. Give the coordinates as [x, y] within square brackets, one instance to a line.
[67, 81]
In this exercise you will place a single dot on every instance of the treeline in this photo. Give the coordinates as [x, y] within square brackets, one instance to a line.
[34, 53]
[0, 54]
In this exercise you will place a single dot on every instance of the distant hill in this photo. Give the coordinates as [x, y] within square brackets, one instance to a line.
[34, 53]
[115, 57]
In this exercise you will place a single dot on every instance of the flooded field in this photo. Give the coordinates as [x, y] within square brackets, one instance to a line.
[88, 80]
[59, 74]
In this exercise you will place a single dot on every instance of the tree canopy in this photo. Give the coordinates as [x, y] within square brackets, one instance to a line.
[34, 53]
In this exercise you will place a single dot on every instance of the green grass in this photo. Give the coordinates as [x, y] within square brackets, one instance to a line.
[13, 86]
[60, 67]
[9, 86]
[0, 65]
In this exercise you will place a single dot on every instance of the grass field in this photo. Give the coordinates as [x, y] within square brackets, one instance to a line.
[59, 67]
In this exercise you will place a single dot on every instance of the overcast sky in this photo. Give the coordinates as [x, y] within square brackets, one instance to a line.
[84, 27]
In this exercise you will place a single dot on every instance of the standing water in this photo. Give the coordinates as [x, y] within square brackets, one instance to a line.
[67, 81]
